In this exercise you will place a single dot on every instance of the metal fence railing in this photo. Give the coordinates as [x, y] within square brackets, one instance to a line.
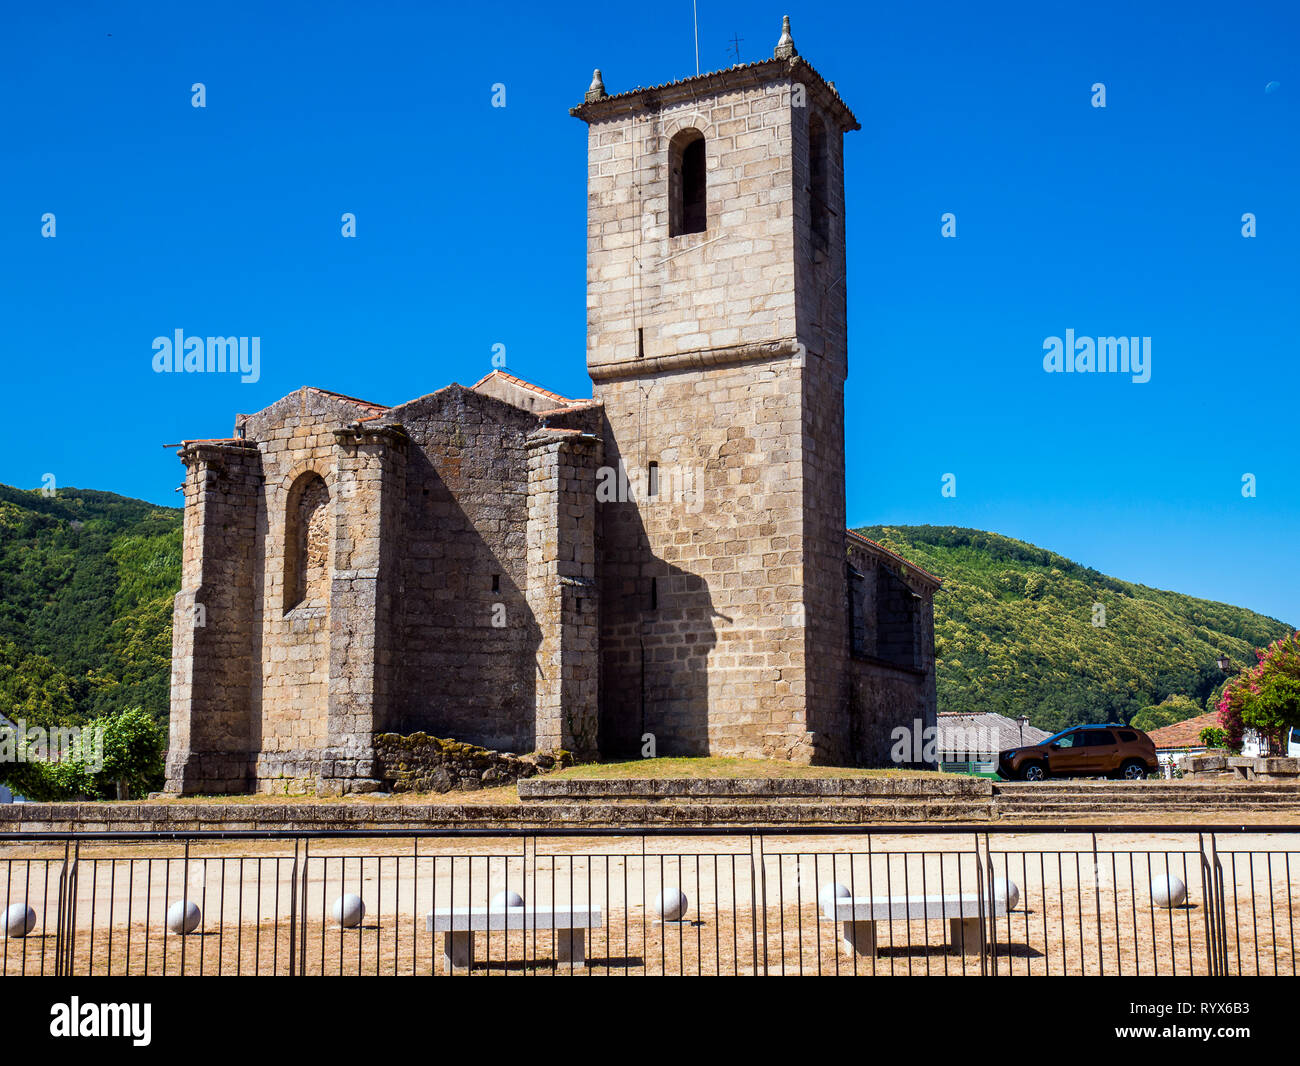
[923, 899]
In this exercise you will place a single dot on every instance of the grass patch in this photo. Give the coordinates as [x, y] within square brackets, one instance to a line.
[504, 794]
[659, 769]
[703, 767]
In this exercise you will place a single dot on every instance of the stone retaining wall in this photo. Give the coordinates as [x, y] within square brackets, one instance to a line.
[750, 790]
[422, 763]
[378, 815]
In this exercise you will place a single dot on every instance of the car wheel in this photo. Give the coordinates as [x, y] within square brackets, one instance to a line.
[1034, 771]
[1132, 771]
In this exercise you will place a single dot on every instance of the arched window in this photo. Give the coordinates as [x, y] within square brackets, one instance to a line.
[687, 184]
[819, 208]
[307, 543]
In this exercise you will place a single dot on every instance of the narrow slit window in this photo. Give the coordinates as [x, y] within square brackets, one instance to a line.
[653, 479]
[688, 184]
[818, 184]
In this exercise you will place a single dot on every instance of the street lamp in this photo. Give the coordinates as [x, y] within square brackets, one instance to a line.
[1224, 662]
[1022, 721]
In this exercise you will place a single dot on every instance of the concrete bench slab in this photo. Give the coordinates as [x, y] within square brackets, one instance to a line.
[857, 918]
[459, 924]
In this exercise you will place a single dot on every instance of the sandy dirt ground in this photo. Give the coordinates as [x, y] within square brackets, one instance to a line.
[753, 903]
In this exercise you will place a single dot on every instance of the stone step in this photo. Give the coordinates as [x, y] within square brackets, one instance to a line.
[1102, 812]
[1138, 814]
[1147, 792]
[1223, 797]
[1147, 784]
[1245, 801]
[360, 815]
[753, 790]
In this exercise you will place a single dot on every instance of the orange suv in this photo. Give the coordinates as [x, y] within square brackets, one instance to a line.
[1084, 751]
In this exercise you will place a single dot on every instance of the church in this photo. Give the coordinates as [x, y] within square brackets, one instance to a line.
[661, 567]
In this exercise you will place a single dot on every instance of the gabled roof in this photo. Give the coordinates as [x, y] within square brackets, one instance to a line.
[563, 401]
[743, 74]
[1185, 734]
[525, 395]
[995, 733]
[350, 399]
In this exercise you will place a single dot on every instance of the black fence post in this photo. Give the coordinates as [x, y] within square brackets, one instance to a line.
[1096, 893]
[61, 956]
[302, 924]
[1209, 890]
[293, 909]
[762, 873]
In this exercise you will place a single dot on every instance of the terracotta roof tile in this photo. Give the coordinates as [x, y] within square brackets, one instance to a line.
[525, 385]
[1185, 734]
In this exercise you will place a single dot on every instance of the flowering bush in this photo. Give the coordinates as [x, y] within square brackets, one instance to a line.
[1230, 717]
[1265, 696]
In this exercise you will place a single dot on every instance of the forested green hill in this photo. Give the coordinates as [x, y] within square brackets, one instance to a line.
[87, 578]
[1014, 632]
[86, 584]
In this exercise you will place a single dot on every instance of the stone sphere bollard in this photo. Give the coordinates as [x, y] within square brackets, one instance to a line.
[20, 919]
[671, 904]
[183, 916]
[1006, 890]
[829, 894]
[1168, 891]
[348, 910]
[504, 899]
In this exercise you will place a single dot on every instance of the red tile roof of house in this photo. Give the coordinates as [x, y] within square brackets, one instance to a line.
[1186, 734]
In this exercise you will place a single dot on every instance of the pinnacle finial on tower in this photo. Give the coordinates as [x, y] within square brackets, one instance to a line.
[785, 48]
[596, 90]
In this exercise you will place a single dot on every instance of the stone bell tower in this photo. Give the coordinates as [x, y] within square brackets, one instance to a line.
[716, 340]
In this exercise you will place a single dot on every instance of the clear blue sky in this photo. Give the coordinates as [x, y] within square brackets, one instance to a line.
[225, 220]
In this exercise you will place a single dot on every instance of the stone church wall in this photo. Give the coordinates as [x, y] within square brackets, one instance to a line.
[889, 679]
[464, 635]
[289, 697]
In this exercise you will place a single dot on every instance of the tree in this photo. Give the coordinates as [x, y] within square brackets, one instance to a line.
[118, 755]
[134, 752]
[1175, 708]
[1265, 696]
[1212, 737]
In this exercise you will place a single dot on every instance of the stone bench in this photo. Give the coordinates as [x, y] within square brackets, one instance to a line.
[459, 924]
[858, 916]
[1241, 767]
